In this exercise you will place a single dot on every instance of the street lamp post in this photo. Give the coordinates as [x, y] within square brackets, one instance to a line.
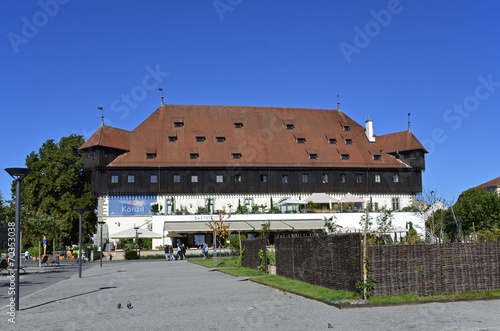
[18, 174]
[80, 211]
[101, 223]
[136, 242]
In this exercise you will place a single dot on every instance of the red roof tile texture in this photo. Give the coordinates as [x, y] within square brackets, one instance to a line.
[264, 136]
[491, 183]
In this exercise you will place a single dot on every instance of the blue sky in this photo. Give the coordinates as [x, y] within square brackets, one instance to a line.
[438, 60]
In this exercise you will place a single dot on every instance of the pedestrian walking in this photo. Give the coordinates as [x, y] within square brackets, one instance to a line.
[167, 253]
[179, 252]
[205, 251]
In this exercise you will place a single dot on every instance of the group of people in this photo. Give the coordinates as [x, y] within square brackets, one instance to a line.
[169, 252]
[181, 252]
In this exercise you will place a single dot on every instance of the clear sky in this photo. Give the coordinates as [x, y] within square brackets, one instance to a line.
[438, 60]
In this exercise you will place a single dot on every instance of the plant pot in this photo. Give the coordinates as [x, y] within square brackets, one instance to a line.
[271, 269]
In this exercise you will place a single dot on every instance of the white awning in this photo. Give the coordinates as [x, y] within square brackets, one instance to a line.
[276, 225]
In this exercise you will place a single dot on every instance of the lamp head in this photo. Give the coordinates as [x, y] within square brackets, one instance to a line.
[80, 210]
[18, 173]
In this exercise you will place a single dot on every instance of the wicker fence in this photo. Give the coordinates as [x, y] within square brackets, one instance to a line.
[251, 254]
[329, 261]
[435, 269]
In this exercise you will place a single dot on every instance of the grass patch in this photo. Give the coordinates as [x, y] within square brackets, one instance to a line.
[222, 262]
[242, 271]
[314, 291]
[438, 297]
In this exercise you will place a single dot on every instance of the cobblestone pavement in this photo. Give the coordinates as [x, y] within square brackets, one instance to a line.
[178, 295]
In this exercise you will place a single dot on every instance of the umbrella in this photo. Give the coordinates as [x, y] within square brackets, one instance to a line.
[173, 234]
[291, 202]
[321, 198]
[131, 233]
[350, 198]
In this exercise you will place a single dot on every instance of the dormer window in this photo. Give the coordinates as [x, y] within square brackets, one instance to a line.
[313, 156]
[236, 156]
[344, 157]
[200, 139]
[332, 141]
[178, 124]
[172, 139]
[346, 128]
[220, 139]
[301, 140]
[348, 141]
[194, 156]
[377, 157]
[238, 125]
[289, 126]
[150, 156]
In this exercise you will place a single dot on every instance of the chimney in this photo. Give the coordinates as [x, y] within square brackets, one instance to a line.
[369, 130]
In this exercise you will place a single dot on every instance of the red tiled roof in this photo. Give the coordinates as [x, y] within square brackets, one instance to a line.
[491, 183]
[108, 136]
[263, 140]
[402, 141]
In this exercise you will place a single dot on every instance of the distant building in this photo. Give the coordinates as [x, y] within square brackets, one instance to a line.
[204, 159]
[492, 186]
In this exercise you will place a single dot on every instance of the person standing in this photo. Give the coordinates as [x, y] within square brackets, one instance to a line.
[205, 251]
[183, 250]
[167, 252]
[179, 252]
[89, 251]
[171, 252]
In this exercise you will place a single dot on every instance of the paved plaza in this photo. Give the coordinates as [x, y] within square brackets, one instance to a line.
[179, 295]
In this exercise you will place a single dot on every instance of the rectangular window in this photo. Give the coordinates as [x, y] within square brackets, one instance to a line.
[375, 206]
[236, 156]
[359, 178]
[177, 178]
[289, 126]
[324, 178]
[344, 157]
[284, 179]
[396, 178]
[153, 178]
[131, 178]
[194, 179]
[193, 156]
[301, 140]
[237, 178]
[377, 157]
[342, 178]
[178, 124]
[200, 139]
[305, 178]
[395, 204]
[377, 178]
[332, 141]
[348, 141]
[219, 178]
[346, 128]
[199, 239]
[263, 178]
[172, 139]
[248, 204]
[238, 125]
[114, 179]
[313, 156]
[220, 139]
[150, 156]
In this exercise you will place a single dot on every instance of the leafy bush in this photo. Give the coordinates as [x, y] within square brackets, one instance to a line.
[131, 255]
[271, 258]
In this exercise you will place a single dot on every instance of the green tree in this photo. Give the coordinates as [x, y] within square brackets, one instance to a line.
[384, 220]
[479, 207]
[57, 185]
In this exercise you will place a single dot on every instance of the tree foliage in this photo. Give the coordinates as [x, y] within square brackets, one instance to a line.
[479, 207]
[56, 186]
